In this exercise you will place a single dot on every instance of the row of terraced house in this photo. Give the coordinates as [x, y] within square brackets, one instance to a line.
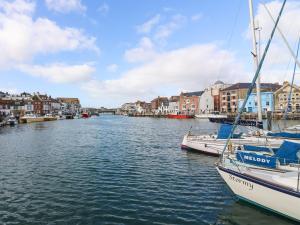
[36, 103]
[221, 98]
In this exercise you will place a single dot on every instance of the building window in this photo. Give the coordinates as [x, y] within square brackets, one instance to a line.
[187, 101]
[184, 106]
[267, 103]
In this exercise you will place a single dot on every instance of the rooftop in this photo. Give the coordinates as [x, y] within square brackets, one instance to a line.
[195, 93]
[269, 86]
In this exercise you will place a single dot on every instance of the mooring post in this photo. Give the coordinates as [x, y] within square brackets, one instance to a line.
[269, 120]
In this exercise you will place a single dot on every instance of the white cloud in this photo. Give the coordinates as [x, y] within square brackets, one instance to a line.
[143, 52]
[65, 6]
[104, 8]
[60, 73]
[18, 7]
[112, 68]
[165, 30]
[34, 36]
[147, 26]
[196, 17]
[190, 68]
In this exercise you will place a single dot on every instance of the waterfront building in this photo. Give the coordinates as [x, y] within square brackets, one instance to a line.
[158, 104]
[231, 95]
[5, 106]
[37, 104]
[28, 106]
[189, 102]
[174, 105]
[128, 108]
[70, 105]
[142, 107]
[267, 102]
[281, 98]
[210, 99]
[55, 106]
[2, 94]
[163, 108]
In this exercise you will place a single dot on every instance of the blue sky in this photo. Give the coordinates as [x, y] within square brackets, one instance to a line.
[111, 52]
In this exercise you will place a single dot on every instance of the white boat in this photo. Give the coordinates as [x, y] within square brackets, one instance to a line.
[49, 117]
[211, 115]
[12, 120]
[276, 191]
[214, 144]
[31, 118]
[293, 129]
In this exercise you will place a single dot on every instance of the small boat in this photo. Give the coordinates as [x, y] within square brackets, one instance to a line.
[211, 116]
[31, 118]
[12, 121]
[60, 117]
[49, 117]
[85, 115]
[180, 116]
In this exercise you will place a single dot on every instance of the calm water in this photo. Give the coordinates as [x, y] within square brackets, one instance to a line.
[114, 170]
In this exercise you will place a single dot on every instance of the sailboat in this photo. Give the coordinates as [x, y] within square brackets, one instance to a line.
[276, 190]
[213, 144]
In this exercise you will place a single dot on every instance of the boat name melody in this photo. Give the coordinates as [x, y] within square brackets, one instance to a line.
[257, 159]
[241, 181]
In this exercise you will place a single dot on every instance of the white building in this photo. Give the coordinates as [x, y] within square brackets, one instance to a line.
[209, 101]
[173, 107]
[163, 108]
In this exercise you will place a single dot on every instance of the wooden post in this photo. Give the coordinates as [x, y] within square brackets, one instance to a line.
[269, 120]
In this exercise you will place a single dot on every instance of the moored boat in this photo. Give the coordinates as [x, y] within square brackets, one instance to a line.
[85, 115]
[276, 190]
[179, 116]
[31, 118]
[12, 121]
[49, 117]
[213, 144]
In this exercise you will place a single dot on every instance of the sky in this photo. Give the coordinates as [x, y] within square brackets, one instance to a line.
[110, 52]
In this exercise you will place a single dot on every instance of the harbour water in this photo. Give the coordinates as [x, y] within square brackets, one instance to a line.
[114, 170]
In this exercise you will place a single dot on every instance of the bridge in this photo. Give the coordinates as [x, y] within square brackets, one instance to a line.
[111, 111]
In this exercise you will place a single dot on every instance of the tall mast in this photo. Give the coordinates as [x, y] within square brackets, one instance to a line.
[255, 59]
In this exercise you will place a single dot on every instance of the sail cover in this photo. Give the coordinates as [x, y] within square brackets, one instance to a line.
[259, 148]
[284, 135]
[288, 152]
[225, 130]
[256, 159]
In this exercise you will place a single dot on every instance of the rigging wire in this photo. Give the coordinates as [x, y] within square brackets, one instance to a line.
[230, 35]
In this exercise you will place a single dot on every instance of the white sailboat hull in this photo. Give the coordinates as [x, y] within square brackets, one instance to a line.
[207, 116]
[210, 145]
[283, 201]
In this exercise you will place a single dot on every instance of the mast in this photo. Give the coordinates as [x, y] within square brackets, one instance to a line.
[291, 90]
[261, 61]
[255, 59]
